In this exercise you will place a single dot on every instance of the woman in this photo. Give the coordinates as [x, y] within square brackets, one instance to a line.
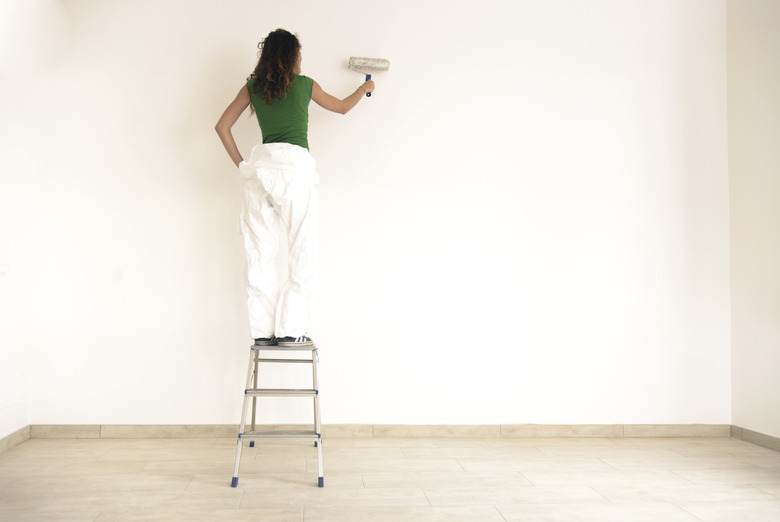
[280, 194]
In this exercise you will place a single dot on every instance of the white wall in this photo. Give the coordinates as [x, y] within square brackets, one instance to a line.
[754, 165]
[23, 57]
[528, 222]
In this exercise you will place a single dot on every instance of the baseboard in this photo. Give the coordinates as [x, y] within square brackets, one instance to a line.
[754, 437]
[138, 431]
[367, 431]
[121, 431]
[14, 439]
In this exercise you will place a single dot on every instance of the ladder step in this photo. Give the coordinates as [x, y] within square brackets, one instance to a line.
[308, 361]
[275, 348]
[270, 392]
[288, 435]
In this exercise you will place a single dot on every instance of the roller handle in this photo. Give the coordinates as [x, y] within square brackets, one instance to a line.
[368, 77]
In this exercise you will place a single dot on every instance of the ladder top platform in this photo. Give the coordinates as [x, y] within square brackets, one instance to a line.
[275, 348]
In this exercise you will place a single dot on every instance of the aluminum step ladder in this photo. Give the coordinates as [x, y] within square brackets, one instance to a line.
[277, 355]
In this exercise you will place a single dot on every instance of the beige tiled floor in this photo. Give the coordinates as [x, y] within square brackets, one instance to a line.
[572, 480]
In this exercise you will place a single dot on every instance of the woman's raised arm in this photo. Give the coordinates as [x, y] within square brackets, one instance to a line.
[331, 103]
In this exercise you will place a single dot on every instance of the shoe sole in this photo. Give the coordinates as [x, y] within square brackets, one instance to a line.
[265, 343]
[289, 345]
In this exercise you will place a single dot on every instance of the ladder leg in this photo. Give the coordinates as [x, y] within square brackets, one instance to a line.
[317, 425]
[320, 478]
[242, 426]
[234, 482]
[254, 399]
[315, 386]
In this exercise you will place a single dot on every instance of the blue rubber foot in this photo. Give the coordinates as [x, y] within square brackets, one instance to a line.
[251, 444]
[321, 482]
[234, 483]
[315, 444]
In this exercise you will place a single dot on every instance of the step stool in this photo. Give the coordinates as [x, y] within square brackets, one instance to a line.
[277, 355]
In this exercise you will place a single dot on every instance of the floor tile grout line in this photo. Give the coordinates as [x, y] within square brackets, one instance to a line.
[499, 512]
[755, 466]
[678, 506]
[684, 478]
[544, 453]
[602, 495]
[767, 492]
[758, 488]
[607, 463]
[430, 504]
[527, 480]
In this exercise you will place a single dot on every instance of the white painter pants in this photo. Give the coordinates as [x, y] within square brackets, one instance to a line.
[280, 212]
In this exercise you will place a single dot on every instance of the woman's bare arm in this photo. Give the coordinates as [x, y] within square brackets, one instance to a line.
[228, 119]
[331, 103]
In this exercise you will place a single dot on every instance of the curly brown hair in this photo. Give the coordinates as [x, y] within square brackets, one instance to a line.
[275, 70]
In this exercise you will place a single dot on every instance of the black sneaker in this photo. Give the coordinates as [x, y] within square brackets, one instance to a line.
[265, 341]
[295, 341]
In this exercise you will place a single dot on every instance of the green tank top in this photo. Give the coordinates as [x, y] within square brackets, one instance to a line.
[287, 119]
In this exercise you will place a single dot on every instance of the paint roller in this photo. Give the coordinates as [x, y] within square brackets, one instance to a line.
[364, 65]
